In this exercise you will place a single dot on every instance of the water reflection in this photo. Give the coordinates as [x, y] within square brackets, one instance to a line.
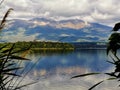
[54, 70]
[94, 60]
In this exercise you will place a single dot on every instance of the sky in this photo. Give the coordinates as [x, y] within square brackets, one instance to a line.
[102, 11]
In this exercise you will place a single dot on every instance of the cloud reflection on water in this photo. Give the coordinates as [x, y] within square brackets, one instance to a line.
[60, 81]
[53, 72]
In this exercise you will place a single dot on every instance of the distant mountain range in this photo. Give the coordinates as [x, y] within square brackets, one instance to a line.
[43, 29]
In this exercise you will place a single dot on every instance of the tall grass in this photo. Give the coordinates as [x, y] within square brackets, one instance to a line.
[10, 63]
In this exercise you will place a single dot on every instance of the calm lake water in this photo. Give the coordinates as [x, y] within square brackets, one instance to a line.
[53, 70]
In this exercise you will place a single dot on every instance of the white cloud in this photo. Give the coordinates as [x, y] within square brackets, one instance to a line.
[82, 40]
[102, 11]
[19, 36]
[64, 35]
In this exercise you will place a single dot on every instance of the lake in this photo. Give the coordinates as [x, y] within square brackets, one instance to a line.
[53, 70]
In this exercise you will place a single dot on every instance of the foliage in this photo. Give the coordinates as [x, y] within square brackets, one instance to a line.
[39, 45]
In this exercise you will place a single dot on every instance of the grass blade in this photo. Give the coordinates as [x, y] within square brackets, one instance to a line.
[3, 46]
[5, 51]
[18, 57]
[95, 85]
[111, 74]
[111, 62]
[83, 75]
[111, 78]
[24, 85]
[12, 74]
[9, 65]
[11, 69]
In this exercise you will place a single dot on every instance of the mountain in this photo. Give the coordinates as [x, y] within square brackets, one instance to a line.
[72, 30]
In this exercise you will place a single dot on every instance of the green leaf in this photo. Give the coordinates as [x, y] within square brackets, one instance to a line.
[83, 75]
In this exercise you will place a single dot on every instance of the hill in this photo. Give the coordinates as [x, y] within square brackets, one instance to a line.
[42, 29]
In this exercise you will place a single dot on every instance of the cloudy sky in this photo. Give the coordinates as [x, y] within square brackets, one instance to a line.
[102, 11]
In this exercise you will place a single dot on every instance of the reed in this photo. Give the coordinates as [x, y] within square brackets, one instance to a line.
[10, 63]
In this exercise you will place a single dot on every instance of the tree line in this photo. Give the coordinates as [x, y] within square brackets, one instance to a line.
[37, 44]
